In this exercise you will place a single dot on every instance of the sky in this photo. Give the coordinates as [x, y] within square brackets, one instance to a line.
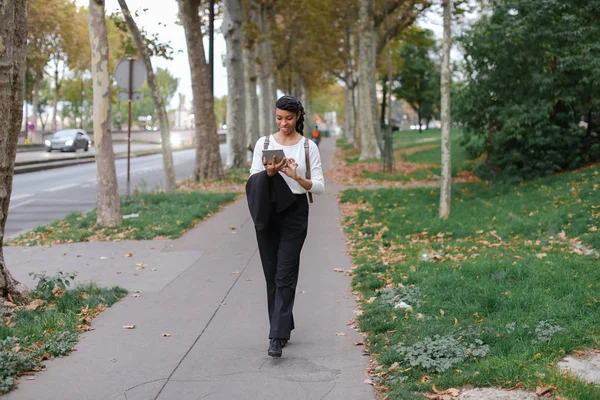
[165, 11]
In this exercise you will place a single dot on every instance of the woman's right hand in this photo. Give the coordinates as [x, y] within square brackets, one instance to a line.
[272, 168]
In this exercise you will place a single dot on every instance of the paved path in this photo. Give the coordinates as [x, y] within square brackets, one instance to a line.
[208, 293]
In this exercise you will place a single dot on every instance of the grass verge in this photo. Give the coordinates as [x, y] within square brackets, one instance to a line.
[44, 329]
[159, 215]
[494, 296]
[417, 157]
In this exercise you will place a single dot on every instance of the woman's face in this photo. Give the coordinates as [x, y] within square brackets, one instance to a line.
[286, 121]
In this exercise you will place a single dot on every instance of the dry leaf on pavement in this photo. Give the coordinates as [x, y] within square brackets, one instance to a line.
[340, 334]
[338, 269]
[166, 335]
[129, 326]
[129, 255]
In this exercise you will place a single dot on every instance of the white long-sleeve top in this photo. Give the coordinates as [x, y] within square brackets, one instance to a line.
[297, 153]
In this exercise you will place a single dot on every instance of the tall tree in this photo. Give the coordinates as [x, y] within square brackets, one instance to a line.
[250, 79]
[418, 75]
[13, 39]
[369, 144]
[379, 24]
[445, 112]
[157, 98]
[109, 206]
[208, 158]
[266, 70]
[236, 97]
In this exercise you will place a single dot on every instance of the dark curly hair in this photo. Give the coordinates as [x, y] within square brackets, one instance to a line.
[290, 103]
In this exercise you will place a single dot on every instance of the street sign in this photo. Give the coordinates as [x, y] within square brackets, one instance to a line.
[138, 73]
[130, 74]
[124, 96]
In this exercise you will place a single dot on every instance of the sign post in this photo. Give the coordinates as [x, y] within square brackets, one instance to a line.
[130, 74]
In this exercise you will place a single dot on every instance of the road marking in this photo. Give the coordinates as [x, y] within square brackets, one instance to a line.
[21, 203]
[56, 189]
[21, 196]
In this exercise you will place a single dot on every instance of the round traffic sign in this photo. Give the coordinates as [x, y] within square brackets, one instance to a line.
[138, 73]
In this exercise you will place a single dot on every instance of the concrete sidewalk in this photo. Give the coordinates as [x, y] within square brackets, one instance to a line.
[207, 291]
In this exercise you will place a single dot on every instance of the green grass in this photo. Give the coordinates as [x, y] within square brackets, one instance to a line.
[162, 214]
[411, 139]
[28, 337]
[498, 270]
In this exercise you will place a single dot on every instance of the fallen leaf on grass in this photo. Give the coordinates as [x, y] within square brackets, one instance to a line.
[9, 304]
[542, 390]
[129, 326]
[517, 386]
[35, 304]
[562, 235]
[541, 255]
[372, 299]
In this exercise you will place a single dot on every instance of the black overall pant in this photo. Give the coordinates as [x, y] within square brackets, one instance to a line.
[279, 246]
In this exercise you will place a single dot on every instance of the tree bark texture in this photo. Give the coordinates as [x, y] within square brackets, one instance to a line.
[109, 206]
[446, 179]
[236, 96]
[36, 96]
[163, 119]
[369, 147]
[252, 127]
[208, 158]
[266, 76]
[13, 40]
[349, 113]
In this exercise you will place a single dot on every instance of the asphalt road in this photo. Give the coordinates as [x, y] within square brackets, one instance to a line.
[57, 155]
[39, 198]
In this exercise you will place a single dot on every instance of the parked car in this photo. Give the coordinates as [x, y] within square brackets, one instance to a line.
[68, 140]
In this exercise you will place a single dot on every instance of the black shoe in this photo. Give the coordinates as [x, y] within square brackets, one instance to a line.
[275, 348]
[283, 342]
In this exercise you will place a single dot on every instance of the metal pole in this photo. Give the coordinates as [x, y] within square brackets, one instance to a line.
[129, 122]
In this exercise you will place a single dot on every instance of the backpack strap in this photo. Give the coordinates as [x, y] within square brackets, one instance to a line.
[306, 156]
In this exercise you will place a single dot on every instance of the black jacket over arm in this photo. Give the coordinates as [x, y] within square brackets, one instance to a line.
[266, 195]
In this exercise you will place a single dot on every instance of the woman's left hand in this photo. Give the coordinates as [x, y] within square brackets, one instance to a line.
[290, 168]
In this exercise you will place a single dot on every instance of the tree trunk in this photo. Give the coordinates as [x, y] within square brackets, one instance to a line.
[420, 118]
[13, 43]
[368, 110]
[445, 114]
[236, 96]
[109, 206]
[349, 113]
[383, 104]
[252, 127]
[208, 157]
[36, 96]
[266, 77]
[163, 120]
[55, 100]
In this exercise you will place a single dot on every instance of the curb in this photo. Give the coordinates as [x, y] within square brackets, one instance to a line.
[34, 166]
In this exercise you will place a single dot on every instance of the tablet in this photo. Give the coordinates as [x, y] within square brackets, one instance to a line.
[278, 153]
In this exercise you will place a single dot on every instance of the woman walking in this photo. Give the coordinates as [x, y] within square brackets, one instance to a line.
[277, 198]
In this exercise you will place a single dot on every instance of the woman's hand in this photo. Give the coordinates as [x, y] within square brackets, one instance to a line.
[272, 168]
[290, 169]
